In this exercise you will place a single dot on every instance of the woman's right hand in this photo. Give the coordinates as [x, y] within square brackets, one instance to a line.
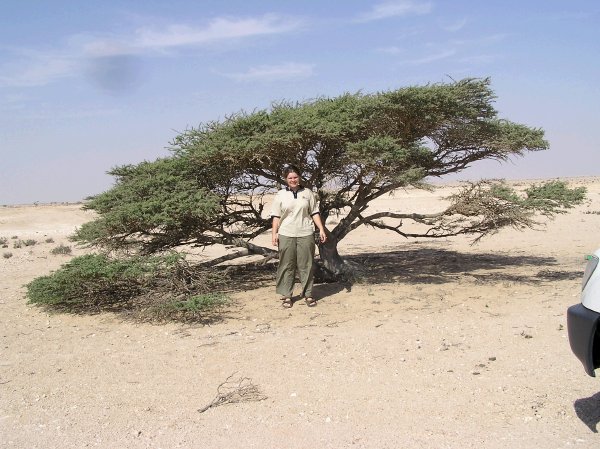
[275, 240]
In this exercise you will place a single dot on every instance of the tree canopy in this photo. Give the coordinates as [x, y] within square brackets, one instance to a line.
[351, 150]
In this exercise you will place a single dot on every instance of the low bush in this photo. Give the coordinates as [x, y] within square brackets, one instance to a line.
[91, 281]
[7, 255]
[154, 288]
[61, 249]
[191, 308]
[3, 240]
[49, 240]
[21, 243]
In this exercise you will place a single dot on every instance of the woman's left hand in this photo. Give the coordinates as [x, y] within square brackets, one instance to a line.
[322, 236]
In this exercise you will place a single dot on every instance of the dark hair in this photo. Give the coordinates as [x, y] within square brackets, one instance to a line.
[289, 168]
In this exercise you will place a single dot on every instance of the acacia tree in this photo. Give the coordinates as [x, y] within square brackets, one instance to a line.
[351, 150]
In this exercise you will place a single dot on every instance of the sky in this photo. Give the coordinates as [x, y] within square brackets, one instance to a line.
[87, 86]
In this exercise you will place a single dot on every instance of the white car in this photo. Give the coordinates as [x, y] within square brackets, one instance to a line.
[583, 320]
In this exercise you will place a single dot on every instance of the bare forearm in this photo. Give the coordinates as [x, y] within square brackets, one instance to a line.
[275, 230]
[319, 223]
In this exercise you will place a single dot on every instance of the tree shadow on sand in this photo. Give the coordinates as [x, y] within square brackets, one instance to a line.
[423, 266]
[416, 266]
[588, 411]
[438, 266]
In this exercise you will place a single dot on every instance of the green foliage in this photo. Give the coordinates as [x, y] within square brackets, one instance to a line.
[61, 249]
[91, 278]
[485, 207]
[554, 197]
[162, 199]
[201, 302]
[145, 287]
[192, 308]
[351, 149]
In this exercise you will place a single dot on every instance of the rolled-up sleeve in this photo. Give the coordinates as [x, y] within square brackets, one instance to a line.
[276, 207]
[314, 205]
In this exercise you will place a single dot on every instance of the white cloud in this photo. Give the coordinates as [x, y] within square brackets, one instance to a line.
[36, 68]
[274, 72]
[217, 30]
[432, 58]
[484, 40]
[395, 9]
[481, 59]
[33, 68]
[456, 26]
[390, 50]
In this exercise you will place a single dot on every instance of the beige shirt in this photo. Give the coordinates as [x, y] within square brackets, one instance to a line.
[295, 211]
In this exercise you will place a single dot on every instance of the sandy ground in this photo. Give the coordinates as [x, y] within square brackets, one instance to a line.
[444, 345]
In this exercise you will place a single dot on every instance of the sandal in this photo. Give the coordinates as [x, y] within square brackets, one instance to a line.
[287, 302]
[310, 302]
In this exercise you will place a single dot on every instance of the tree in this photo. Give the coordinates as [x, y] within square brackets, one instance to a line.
[351, 150]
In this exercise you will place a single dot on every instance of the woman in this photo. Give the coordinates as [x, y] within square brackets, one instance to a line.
[295, 212]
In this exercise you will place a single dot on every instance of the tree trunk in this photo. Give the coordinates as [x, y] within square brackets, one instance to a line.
[332, 267]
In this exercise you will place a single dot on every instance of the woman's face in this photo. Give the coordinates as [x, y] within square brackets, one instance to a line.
[293, 180]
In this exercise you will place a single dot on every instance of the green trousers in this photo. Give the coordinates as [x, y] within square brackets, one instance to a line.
[296, 254]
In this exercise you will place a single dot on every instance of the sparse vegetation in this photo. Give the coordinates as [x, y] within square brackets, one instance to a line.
[61, 249]
[192, 308]
[3, 241]
[49, 240]
[7, 255]
[21, 243]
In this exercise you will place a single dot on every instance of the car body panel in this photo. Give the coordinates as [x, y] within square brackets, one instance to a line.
[583, 325]
[590, 294]
[583, 320]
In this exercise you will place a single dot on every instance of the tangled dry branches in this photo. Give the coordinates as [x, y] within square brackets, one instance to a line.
[233, 391]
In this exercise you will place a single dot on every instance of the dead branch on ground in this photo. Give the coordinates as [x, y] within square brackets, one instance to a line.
[233, 391]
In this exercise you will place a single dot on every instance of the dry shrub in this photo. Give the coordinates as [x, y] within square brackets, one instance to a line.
[150, 288]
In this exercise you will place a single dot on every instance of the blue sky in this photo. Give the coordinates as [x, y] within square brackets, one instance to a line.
[85, 86]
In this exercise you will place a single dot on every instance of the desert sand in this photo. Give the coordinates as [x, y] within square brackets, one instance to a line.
[443, 344]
